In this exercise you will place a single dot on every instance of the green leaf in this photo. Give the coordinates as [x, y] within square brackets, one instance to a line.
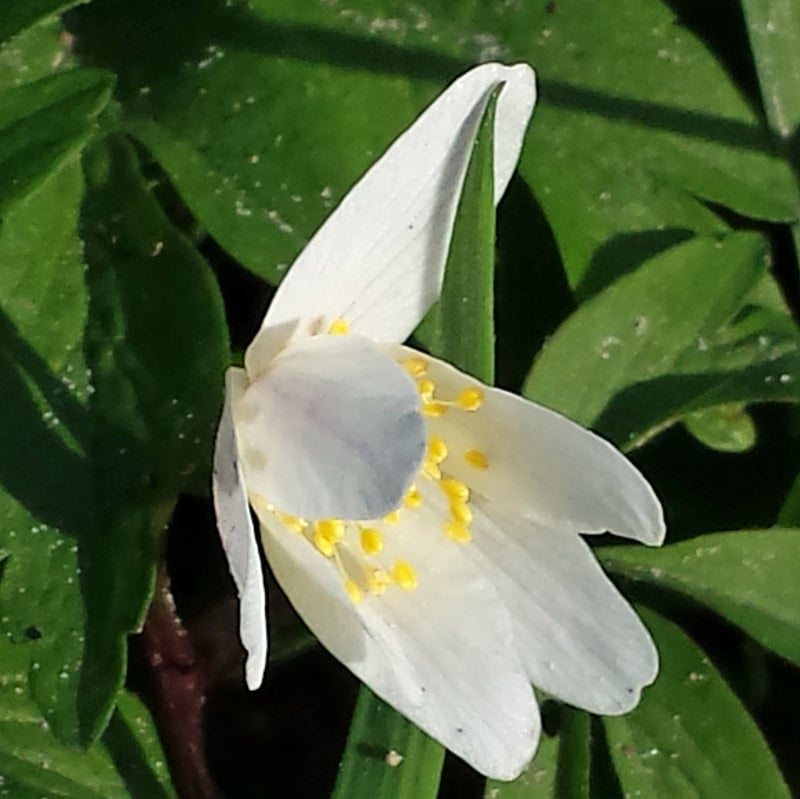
[460, 327]
[690, 736]
[747, 576]
[263, 115]
[126, 762]
[115, 390]
[538, 781]
[15, 16]
[727, 428]
[387, 757]
[45, 124]
[774, 30]
[628, 365]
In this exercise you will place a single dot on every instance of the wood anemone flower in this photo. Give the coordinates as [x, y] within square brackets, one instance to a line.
[426, 527]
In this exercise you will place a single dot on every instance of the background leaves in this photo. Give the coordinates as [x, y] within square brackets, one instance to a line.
[646, 285]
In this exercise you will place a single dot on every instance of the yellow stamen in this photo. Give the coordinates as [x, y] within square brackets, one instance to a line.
[377, 580]
[338, 327]
[371, 541]
[330, 529]
[392, 518]
[353, 591]
[476, 458]
[460, 511]
[431, 469]
[434, 408]
[455, 489]
[416, 367]
[437, 449]
[292, 522]
[404, 575]
[458, 532]
[413, 498]
[426, 388]
[324, 545]
[470, 399]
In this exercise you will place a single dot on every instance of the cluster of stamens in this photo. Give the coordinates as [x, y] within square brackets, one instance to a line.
[357, 547]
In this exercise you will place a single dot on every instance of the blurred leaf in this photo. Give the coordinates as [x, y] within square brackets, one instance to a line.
[263, 114]
[35, 53]
[690, 736]
[19, 14]
[114, 389]
[727, 428]
[774, 30]
[387, 757]
[626, 363]
[747, 576]
[45, 124]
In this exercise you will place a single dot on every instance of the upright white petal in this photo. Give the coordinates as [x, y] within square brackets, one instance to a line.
[443, 654]
[542, 464]
[333, 429]
[577, 636]
[378, 259]
[238, 537]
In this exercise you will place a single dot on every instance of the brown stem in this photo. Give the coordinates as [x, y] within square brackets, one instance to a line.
[179, 684]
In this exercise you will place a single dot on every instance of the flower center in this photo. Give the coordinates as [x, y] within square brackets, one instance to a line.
[374, 555]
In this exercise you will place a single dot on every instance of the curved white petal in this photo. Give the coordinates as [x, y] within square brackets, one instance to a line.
[442, 654]
[577, 636]
[542, 464]
[333, 429]
[238, 538]
[378, 259]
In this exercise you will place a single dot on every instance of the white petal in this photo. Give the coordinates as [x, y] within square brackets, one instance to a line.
[377, 261]
[333, 429]
[441, 654]
[542, 464]
[238, 536]
[577, 636]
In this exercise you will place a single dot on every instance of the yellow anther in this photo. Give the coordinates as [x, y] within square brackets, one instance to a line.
[431, 469]
[476, 458]
[455, 489]
[338, 327]
[434, 408]
[413, 498]
[330, 529]
[470, 399]
[426, 388]
[392, 518]
[353, 591]
[458, 532]
[292, 522]
[377, 580]
[371, 541]
[324, 545]
[460, 511]
[437, 449]
[416, 367]
[404, 575]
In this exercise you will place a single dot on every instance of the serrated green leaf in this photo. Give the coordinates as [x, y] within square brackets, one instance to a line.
[747, 576]
[690, 737]
[43, 125]
[629, 365]
[387, 757]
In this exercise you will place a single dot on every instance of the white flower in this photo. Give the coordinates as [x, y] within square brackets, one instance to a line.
[425, 526]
